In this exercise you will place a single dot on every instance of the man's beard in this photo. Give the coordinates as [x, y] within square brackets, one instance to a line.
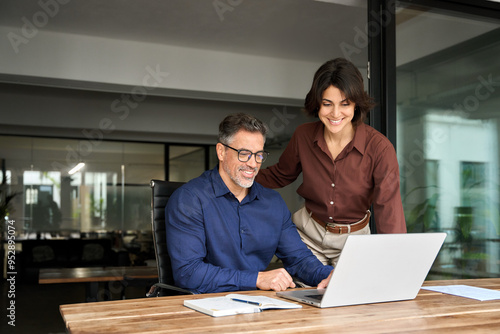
[242, 182]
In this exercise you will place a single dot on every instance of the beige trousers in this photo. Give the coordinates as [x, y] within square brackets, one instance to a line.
[325, 245]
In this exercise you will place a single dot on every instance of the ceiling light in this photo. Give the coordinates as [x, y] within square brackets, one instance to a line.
[351, 3]
[75, 169]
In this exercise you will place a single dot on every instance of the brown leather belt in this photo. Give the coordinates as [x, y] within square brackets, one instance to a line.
[343, 228]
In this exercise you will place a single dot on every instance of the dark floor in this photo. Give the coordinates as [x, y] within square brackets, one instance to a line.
[37, 306]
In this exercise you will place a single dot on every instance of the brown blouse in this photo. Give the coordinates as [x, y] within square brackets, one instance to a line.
[365, 173]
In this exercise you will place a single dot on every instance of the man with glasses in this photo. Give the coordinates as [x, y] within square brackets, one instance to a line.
[223, 229]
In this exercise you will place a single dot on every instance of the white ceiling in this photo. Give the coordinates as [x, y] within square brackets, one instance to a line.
[293, 29]
[310, 30]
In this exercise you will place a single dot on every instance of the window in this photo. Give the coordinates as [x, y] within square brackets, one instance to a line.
[447, 134]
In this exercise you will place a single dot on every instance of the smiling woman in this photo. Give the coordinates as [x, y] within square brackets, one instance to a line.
[348, 167]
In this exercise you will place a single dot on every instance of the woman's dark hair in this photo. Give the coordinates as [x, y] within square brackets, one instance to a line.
[343, 75]
[236, 122]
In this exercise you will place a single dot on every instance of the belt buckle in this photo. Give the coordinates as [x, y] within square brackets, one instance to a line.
[328, 225]
[340, 227]
[333, 226]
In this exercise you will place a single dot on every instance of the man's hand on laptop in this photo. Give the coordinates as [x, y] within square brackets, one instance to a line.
[277, 280]
[324, 283]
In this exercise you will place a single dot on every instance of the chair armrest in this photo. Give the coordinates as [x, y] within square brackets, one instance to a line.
[157, 288]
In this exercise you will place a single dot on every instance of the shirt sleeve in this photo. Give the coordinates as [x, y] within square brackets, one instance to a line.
[387, 204]
[187, 248]
[298, 260]
[285, 171]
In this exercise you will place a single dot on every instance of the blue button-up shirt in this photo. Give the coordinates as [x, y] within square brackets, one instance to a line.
[218, 244]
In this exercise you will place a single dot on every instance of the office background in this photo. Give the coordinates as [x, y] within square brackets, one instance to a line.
[136, 90]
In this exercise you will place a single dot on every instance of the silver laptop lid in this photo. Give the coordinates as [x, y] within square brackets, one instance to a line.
[382, 267]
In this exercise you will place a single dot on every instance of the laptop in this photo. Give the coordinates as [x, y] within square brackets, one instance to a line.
[376, 268]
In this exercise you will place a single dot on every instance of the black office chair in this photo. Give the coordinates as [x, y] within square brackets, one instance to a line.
[161, 192]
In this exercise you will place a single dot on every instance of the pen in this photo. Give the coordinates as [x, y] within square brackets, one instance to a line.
[246, 301]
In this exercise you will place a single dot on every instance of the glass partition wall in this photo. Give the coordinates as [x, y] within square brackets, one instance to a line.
[448, 113]
[186, 162]
[66, 186]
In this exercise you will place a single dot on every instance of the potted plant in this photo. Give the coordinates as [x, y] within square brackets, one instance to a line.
[424, 216]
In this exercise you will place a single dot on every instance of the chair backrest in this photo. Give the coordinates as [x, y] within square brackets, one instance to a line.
[161, 192]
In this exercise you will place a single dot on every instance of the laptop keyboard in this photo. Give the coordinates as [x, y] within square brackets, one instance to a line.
[317, 297]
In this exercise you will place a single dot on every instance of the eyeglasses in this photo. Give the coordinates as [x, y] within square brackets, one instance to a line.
[245, 155]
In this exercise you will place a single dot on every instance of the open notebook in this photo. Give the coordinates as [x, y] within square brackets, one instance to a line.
[234, 303]
[376, 268]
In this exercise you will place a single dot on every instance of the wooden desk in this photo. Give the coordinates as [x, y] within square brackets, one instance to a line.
[93, 275]
[430, 312]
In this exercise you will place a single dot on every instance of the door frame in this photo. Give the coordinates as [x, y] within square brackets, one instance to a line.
[381, 32]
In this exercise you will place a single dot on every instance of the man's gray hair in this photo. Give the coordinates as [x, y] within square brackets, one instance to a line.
[236, 122]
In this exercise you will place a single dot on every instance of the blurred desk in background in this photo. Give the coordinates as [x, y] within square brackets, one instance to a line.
[92, 276]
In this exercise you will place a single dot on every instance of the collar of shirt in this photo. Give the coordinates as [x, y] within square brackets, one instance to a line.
[358, 142]
[220, 188]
